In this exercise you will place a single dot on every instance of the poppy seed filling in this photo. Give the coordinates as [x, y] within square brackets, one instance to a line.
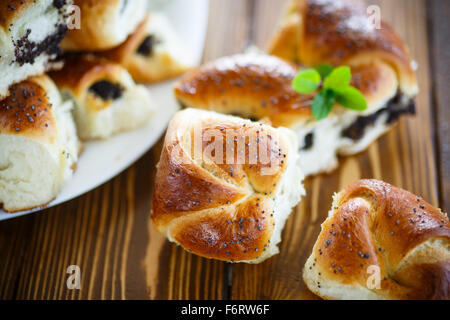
[107, 90]
[59, 3]
[395, 108]
[147, 46]
[27, 51]
[308, 141]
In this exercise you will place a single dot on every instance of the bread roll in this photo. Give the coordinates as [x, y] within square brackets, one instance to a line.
[375, 230]
[259, 86]
[105, 24]
[153, 52]
[107, 100]
[225, 186]
[30, 34]
[341, 32]
[38, 143]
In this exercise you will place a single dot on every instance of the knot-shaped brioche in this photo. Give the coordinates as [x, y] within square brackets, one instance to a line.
[373, 224]
[259, 86]
[219, 207]
[341, 32]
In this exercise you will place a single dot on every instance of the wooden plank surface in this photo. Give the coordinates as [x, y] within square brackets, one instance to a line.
[108, 233]
[439, 31]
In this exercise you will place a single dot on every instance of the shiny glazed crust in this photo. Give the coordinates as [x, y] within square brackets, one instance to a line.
[27, 111]
[102, 26]
[372, 223]
[81, 71]
[340, 32]
[221, 211]
[260, 86]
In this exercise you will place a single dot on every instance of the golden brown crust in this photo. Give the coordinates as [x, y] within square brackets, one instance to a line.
[340, 32]
[81, 71]
[260, 86]
[27, 110]
[374, 223]
[285, 42]
[88, 36]
[252, 85]
[154, 67]
[11, 10]
[207, 205]
[173, 181]
[233, 234]
[122, 53]
[98, 21]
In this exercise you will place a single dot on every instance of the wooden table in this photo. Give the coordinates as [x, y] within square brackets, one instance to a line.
[109, 234]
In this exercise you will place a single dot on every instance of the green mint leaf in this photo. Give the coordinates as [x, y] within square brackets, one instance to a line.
[306, 81]
[351, 98]
[322, 104]
[324, 70]
[338, 79]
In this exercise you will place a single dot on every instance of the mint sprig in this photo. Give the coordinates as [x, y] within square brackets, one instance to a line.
[307, 81]
[334, 85]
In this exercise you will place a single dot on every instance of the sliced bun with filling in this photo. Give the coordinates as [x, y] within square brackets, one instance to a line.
[259, 86]
[340, 32]
[107, 101]
[153, 52]
[38, 143]
[30, 34]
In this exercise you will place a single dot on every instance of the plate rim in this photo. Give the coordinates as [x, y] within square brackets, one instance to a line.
[204, 4]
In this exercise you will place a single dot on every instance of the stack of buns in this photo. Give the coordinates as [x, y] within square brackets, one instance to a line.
[107, 100]
[118, 43]
[123, 32]
[62, 83]
[38, 141]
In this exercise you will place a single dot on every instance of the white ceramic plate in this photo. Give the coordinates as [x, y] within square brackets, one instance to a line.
[102, 160]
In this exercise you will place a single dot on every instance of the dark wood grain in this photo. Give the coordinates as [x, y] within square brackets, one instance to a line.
[178, 274]
[108, 232]
[439, 33]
